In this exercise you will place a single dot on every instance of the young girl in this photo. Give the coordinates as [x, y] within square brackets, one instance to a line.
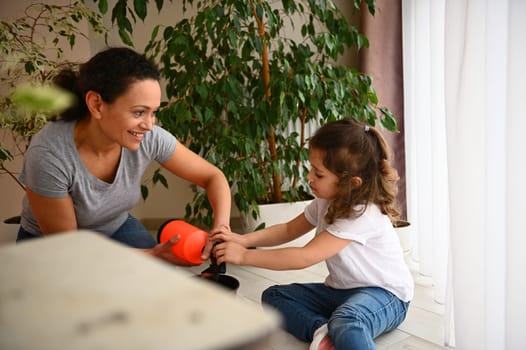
[369, 286]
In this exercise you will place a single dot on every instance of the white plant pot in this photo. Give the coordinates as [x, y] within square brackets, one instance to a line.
[278, 213]
[404, 231]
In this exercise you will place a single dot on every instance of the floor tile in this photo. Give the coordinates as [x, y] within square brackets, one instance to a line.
[412, 343]
[424, 324]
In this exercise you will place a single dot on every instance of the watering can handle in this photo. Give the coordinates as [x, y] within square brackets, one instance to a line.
[215, 269]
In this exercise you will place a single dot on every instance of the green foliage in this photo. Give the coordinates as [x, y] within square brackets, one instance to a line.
[122, 13]
[31, 50]
[32, 45]
[223, 108]
[156, 178]
[243, 88]
[46, 99]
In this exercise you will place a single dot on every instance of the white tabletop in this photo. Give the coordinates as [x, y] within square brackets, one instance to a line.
[82, 291]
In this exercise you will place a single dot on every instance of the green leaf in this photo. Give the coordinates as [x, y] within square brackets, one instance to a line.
[103, 6]
[159, 4]
[125, 37]
[140, 8]
[4, 153]
[163, 181]
[388, 121]
[155, 32]
[144, 192]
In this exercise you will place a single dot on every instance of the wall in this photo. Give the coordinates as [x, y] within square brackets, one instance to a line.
[11, 193]
[383, 62]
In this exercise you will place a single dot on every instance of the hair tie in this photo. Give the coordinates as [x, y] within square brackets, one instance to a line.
[366, 128]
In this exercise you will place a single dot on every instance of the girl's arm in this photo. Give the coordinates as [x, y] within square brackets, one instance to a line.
[275, 234]
[271, 236]
[320, 248]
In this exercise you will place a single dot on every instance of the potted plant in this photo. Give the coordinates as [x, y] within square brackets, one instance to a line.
[246, 79]
[242, 93]
[32, 53]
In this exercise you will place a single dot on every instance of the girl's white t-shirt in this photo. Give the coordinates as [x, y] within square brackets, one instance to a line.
[373, 257]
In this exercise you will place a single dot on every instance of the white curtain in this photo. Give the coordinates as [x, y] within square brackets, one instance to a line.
[426, 163]
[466, 63]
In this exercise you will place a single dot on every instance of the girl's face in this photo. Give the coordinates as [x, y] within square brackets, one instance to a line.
[130, 116]
[324, 184]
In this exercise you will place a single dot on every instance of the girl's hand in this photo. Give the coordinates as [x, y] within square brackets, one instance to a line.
[230, 252]
[210, 242]
[164, 251]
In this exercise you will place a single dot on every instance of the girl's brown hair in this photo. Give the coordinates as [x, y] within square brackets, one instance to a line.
[353, 149]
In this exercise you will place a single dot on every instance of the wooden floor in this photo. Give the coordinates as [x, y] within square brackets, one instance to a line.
[422, 329]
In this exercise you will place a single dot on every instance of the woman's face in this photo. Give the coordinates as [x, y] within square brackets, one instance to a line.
[324, 184]
[130, 116]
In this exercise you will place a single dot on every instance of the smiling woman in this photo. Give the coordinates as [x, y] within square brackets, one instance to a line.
[125, 121]
[83, 171]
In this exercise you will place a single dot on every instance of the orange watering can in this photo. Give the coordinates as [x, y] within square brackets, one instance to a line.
[189, 248]
[191, 243]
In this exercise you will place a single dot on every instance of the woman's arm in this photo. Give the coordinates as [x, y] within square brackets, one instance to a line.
[53, 215]
[189, 166]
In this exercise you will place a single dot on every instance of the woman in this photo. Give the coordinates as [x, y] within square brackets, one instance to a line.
[84, 170]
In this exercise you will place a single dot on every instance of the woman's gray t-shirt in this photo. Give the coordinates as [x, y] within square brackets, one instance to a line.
[52, 168]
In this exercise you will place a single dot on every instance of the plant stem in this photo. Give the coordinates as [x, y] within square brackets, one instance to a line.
[276, 186]
[2, 167]
[303, 116]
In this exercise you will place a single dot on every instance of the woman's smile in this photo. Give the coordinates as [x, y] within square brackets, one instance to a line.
[138, 136]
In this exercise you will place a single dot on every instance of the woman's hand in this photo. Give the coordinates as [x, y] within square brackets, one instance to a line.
[211, 240]
[164, 251]
[224, 234]
[230, 246]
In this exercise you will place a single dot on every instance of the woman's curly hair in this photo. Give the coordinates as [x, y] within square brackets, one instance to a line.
[353, 149]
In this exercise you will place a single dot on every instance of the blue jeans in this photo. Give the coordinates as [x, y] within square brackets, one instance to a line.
[132, 233]
[354, 316]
